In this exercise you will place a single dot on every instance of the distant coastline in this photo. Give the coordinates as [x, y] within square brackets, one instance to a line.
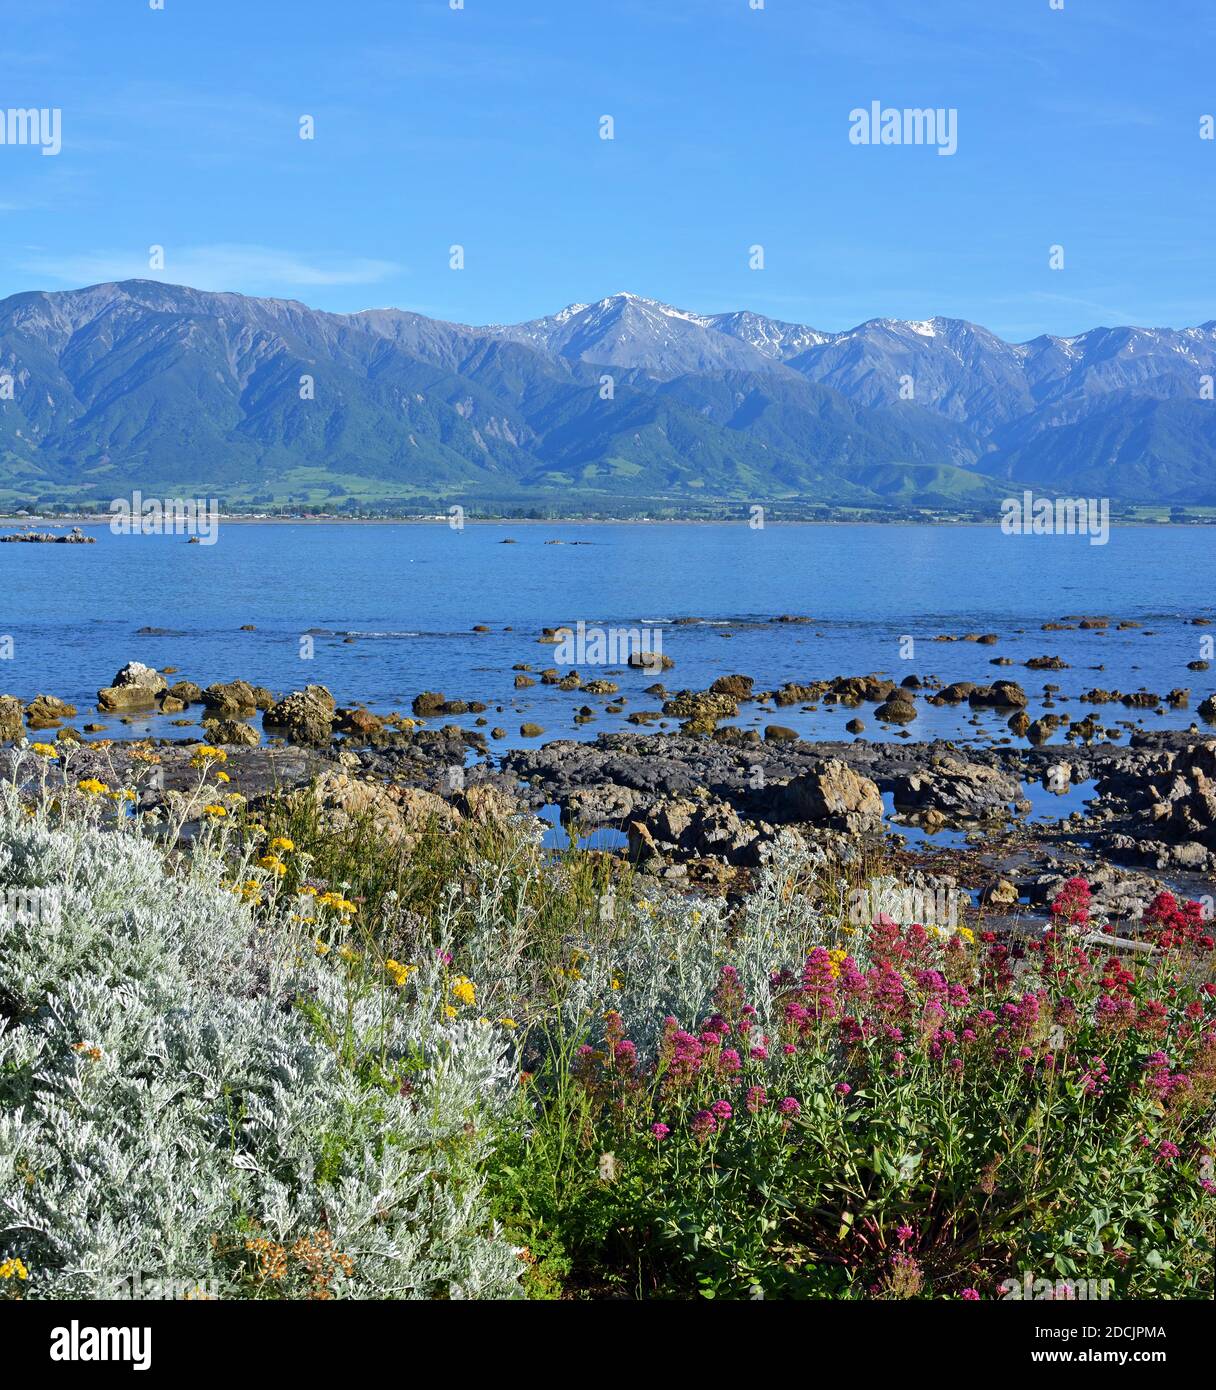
[92, 519]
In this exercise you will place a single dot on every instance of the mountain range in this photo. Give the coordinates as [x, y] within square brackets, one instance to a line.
[182, 392]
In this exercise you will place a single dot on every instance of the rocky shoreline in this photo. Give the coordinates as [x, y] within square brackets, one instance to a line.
[1008, 823]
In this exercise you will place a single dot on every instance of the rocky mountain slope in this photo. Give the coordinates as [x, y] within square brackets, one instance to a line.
[181, 391]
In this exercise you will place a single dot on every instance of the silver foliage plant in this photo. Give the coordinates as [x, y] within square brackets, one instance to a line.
[163, 1099]
[668, 956]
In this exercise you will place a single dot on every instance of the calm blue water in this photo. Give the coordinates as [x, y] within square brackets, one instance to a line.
[411, 593]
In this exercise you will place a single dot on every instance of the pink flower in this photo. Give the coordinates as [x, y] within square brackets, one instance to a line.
[660, 1131]
[789, 1106]
[703, 1124]
[843, 1088]
[970, 1295]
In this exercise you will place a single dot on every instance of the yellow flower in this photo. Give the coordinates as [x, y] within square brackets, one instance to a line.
[13, 1269]
[273, 864]
[215, 810]
[250, 891]
[308, 890]
[616, 984]
[281, 842]
[967, 934]
[92, 787]
[222, 777]
[45, 750]
[508, 1023]
[449, 1011]
[322, 948]
[205, 754]
[464, 990]
[398, 972]
[348, 953]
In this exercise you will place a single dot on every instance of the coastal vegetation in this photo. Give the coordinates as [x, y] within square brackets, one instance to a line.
[263, 1053]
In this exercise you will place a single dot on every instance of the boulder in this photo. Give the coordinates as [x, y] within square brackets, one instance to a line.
[650, 661]
[737, 687]
[231, 731]
[899, 709]
[11, 713]
[957, 788]
[358, 722]
[231, 698]
[187, 692]
[305, 716]
[998, 695]
[834, 795]
[45, 711]
[779, 733]
[397, 813]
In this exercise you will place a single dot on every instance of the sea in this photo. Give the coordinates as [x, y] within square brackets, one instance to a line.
[379, 612]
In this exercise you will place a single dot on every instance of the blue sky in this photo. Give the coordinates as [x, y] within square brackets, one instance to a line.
[1077, 127]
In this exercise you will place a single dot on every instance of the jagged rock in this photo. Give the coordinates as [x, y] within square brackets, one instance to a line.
[686, 826]
[605, 804]
[998, 695]
[1000, 893]
[397, 813]
[428, 702]
[650, 661]
[960, 789]
[11, 713]
[136, 686]
[45, 711]
[187, 692]
[737, 687]
[899, 709]
[305, 716]
[835, 795]
[230, 731]
[358, 721]
[700, 705]
[231, 697]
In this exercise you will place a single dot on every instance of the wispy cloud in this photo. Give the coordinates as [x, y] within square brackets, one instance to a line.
[222, 266]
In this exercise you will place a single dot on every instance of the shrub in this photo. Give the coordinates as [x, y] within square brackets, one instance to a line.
[193, 1093]
[914, 1114]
